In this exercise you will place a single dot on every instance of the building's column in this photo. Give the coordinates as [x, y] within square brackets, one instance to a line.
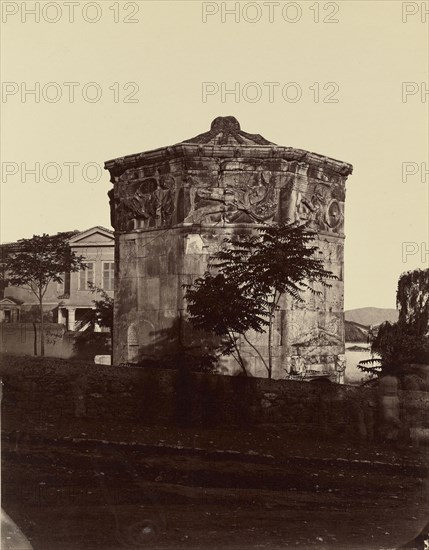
[61, 316]
[340, 367]
[72, 319]
[97, 327]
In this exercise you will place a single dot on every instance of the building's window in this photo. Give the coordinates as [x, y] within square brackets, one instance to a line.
[64, 286]
[60, 285]
[86, 277]
[108, 275]
[7, 316]
[66, 282]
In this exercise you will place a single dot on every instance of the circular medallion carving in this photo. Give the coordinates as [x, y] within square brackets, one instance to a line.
[334, 214]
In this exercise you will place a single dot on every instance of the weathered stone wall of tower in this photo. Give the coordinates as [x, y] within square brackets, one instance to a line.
[172, 208]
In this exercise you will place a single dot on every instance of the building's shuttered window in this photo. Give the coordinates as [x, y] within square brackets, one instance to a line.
[86, 277]
[108, 275]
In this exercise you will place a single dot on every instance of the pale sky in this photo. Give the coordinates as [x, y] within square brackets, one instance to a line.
[362, 60]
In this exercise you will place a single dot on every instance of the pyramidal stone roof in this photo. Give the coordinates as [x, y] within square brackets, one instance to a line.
[225, 130]
[226, 139]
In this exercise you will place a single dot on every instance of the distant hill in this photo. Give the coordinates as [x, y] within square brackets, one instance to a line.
[355, 332]
[371, 315]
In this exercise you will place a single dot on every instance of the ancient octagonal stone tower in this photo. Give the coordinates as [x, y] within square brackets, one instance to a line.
[172, 207]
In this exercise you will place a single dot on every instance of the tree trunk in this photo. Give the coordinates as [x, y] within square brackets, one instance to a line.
[257, 351]
[270, 351]
[35, 337]
[276, 299]
[111, 346]
[42, 329]
[240, 359]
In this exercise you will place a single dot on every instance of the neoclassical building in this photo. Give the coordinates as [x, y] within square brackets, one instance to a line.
[70, 302]
[171, 209]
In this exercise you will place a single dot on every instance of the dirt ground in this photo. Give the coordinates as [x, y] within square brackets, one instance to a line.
[213, 490]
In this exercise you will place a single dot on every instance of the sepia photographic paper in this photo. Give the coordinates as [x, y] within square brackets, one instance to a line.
[214, 284]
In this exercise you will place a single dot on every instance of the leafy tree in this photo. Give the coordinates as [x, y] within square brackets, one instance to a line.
[38, 261]
[399, 344]
[395, 346]
[103, 308]
[213, 303]
[254, 272]
[412, 299]
[101, 315]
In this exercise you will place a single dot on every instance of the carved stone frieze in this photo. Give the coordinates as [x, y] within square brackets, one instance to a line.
[227, 185]
[148, 204]
[238, 198]
[232, 197]
[314, 203]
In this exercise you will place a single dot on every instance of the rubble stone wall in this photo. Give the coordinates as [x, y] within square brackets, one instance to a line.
[51, 391]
